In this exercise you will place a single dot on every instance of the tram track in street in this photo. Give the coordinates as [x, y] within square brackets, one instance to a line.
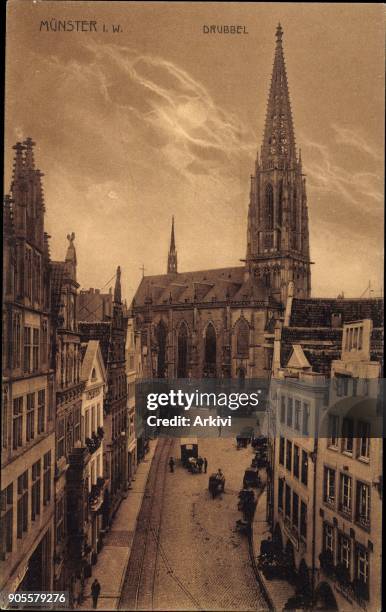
[138, 585]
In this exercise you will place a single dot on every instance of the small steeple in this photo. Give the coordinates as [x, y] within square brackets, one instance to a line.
[172, 256]
[117, 287]
[279, 139]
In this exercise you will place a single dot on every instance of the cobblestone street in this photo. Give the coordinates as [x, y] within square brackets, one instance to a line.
[202, 562]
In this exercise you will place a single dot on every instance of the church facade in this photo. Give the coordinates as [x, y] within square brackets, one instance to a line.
[214, 323]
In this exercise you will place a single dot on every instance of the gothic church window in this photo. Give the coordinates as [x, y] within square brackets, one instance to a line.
[161, 334]
[182, 352]
[242, 340]
[210, 351]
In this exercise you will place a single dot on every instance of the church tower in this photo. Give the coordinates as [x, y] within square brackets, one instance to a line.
[278, 240]
[172, 256]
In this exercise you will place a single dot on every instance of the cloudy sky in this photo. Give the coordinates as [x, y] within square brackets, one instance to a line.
[161, 119]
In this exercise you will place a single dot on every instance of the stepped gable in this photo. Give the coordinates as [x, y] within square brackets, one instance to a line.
[319, 312]
[192, 286]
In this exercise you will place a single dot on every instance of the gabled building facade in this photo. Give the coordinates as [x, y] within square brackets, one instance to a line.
[93, 374]
[70, 544]
[28, 415]
[106, 322]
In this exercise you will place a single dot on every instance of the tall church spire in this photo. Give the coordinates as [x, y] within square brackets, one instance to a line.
[279, 140]
[277, 238]
[172, 256]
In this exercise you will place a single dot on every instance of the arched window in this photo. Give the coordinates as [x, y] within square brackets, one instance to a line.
[268, 208]
[161, 335]
[242, 339]
[182, 352]
[210, 351]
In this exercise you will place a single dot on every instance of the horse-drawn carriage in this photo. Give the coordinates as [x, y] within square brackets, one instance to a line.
[245, 437]
[216, 484]
[189, 450]
[251, 478]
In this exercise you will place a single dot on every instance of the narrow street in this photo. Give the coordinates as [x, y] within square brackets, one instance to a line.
[186, 552]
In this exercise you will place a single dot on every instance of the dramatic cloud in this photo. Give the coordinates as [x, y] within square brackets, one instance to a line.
[135, 128]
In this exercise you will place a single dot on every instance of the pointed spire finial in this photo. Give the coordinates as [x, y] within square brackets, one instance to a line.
[29, 154]
[117, 288]
[70, 260]
[279, 33]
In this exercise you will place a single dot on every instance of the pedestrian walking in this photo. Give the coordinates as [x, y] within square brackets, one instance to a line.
[95, 590]
[205, 465]
[200, 463]
[171, 464]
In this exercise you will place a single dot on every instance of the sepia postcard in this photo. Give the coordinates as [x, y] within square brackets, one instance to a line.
[192, 357]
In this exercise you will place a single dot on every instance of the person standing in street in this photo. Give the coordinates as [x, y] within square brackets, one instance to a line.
[205, 465]
[171, 464]
[95, 590]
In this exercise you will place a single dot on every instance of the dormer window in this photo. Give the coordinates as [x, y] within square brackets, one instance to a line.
[93, 374]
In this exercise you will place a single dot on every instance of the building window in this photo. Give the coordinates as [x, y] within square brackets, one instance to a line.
[304, 477]
[329, 486]
[328, 538]
[348, 435]
[287, 501]
[295, 510]
[22, 504]
[288, 457]
[362, 567]
[341, 383]
[35, 492]
[306, 416]
[93, 419]
[268, 212]
[363, 440]
[363, 505]
[60, 443]
[27, 348]
[44, 342]
[303, 520]
[6, 521]
[345, 503]
[280, 494]
[297, 415]
[60, 525]
[87, 424]
[282, 409]
[16, 340]
[41, 411]
[289, 412]
[344, 551]
[360, 339]
[296, 461]
[77, 422]
[30, 416]
[47, 478]
[35, 349]
[17, 424]
[281, 450]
